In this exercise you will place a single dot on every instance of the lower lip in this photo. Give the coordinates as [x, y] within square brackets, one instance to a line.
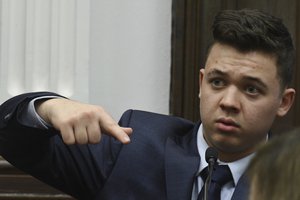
[226, 128]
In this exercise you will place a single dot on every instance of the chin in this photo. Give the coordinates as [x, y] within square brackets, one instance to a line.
[228, 146]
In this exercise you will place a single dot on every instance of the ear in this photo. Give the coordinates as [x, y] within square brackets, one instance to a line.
[201, 75]
[286, 101]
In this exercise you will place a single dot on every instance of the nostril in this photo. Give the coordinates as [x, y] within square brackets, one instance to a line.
[229, 108]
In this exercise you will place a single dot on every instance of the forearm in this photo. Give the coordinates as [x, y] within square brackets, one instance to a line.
[20, 137]
[18, 126]
[17, 108]
[41, 151]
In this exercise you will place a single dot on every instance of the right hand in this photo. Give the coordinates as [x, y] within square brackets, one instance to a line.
[80, 123]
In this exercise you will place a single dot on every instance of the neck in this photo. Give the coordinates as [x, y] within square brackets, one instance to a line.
[231, 157]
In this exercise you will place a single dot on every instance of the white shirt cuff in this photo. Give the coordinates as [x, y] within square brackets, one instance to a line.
[31, 118]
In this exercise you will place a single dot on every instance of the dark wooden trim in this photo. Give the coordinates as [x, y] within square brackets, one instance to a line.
[184, 58]
[296, 83]
[14, 185]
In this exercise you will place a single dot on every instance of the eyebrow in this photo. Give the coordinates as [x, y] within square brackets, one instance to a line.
[256, 80]
[217, 72]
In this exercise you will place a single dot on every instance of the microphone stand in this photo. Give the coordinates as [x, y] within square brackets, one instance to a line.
[211, 156]
[208, 179]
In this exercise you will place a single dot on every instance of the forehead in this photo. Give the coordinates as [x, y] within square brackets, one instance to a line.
[227, 59]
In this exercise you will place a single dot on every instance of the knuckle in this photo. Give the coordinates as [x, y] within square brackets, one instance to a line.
[94, 136]
[68, 139]
[81, 140]
[95, 140]
[67, 121]
[112, 127]
[88, 114]
[99, 109]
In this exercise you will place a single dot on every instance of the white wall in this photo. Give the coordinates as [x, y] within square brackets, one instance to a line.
[114, 53]
[130, 55]
[44, 45]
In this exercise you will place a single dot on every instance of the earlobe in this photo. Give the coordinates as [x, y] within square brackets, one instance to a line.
[286, 101]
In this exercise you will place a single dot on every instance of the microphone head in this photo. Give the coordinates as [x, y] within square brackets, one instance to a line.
[211, 153]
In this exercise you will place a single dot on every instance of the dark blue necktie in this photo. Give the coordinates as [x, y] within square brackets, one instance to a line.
[220, 176]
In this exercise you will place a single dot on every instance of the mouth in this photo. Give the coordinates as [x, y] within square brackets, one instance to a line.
[227, 124]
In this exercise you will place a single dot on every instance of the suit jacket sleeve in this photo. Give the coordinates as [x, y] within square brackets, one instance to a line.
[79, 170]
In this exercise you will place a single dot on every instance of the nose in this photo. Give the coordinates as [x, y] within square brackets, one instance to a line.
[230, 101]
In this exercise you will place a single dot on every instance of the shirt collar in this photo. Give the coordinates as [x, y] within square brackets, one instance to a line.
[237, 167]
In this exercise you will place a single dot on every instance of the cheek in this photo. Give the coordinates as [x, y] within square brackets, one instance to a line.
[263, 113]
[208, 104]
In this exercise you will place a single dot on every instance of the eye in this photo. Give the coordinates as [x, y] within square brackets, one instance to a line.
[252, 90]
[217, 83]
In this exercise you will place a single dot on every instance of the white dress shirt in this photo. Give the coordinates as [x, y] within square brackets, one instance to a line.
[237, 168]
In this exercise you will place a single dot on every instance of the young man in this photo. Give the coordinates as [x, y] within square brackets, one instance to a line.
[244, 86]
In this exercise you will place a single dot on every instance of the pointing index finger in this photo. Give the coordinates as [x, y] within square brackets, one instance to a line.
[111, 127]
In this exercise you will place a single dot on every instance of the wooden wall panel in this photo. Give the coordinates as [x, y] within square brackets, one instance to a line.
[15, 185]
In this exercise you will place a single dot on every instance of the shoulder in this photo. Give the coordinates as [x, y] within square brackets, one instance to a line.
[135, 117]
[145, 123]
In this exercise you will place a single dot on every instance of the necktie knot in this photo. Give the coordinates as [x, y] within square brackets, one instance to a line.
[220, 176]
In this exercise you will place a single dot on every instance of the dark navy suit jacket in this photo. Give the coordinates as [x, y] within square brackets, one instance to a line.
[159, 163]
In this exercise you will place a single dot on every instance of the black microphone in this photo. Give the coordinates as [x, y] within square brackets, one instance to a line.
[211, 156]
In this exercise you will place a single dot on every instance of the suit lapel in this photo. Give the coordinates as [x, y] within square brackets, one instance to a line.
[181, 165]
[242, 189]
